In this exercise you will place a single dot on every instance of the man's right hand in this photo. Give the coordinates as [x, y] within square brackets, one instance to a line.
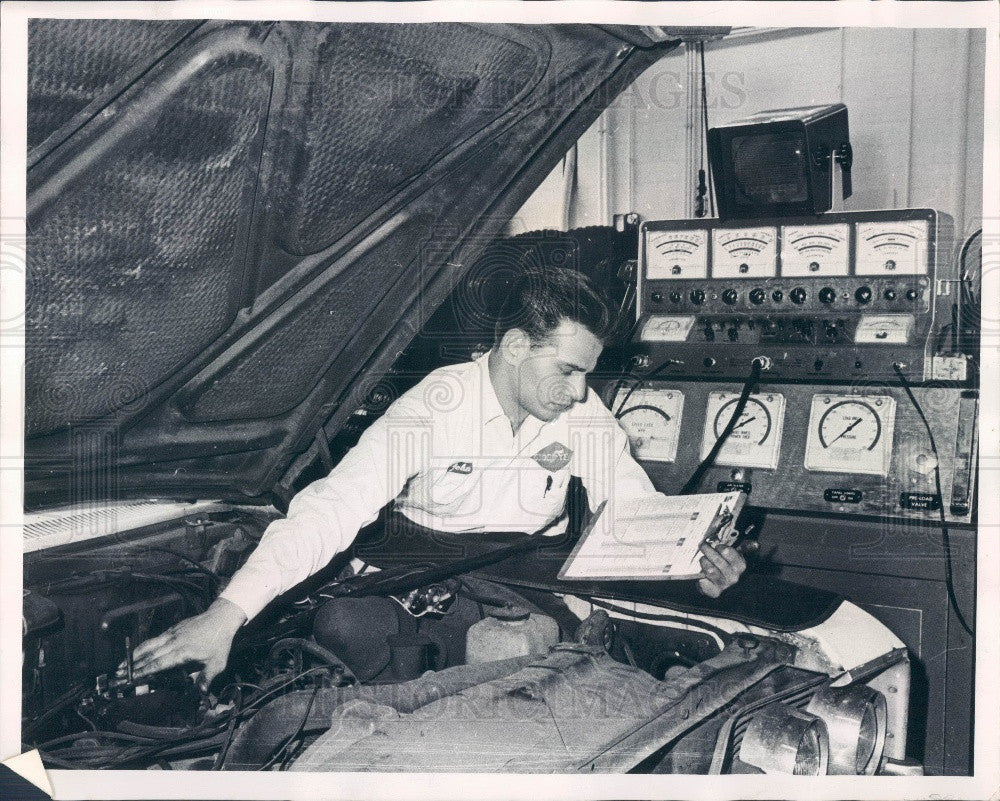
[204, 638]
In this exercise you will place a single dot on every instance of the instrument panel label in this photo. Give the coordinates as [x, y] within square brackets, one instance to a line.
[842, 495]
[923, 501]
[734, 486]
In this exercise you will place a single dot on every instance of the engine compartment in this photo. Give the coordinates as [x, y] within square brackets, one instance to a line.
[625, 690]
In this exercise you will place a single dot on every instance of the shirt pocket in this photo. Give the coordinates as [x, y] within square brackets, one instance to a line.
[451, 485]
[542, 493]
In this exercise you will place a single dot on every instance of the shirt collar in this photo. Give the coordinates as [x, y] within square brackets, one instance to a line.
[491, 407]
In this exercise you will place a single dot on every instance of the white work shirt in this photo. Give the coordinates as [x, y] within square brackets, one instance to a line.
[446, 452]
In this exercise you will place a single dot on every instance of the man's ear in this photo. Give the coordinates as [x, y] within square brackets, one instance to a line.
[514, 345]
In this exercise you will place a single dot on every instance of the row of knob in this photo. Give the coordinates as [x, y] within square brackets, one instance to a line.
[863, 295]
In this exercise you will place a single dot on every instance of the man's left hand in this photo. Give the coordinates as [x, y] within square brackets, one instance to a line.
[722, 567]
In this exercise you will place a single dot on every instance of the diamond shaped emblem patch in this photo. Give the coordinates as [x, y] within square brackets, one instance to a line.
[553, 457]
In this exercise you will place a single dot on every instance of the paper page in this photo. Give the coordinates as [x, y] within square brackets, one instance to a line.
[655, 537]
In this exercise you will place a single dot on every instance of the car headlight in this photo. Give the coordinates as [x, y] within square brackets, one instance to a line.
[781, 739]
[855, 719]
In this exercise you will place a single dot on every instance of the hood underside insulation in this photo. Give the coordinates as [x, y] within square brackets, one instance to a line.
[232, 224]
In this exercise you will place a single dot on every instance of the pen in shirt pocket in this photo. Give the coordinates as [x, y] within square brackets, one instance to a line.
[548, 485]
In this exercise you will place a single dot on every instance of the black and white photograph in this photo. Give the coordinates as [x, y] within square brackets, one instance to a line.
[500, 400]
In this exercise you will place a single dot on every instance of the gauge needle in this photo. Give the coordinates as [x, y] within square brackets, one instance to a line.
[846, 430]
[744, 422]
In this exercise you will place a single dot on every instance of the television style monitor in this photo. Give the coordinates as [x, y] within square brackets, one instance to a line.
[780, 162]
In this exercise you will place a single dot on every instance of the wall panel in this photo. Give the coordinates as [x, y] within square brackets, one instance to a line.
[915, 100]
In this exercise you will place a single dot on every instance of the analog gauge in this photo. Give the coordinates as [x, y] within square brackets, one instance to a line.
[744, 252]
[666, 328]
[814, 251]
[892, 248]
[652, 420]
[755, 440]
[672, 255]
[850, 434]
[884, 329]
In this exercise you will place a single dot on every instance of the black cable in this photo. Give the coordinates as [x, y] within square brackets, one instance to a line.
[216, 578]
[701, 133]
[702, 190]
[283, 751]
[94, 735]
[138, 749]
[230, 731]
[965, 252]
[748, 386]
[704, 112]
[483, 600]
[969, 297]
[946, 541]
[649, 377]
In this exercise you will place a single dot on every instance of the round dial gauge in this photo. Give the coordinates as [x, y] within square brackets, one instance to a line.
[850, 434]
[814, 251]
[744, 252]
[674, 255]
[754, 424]
[755, 440]
[853, 424]
[892, 248]
[652, 420]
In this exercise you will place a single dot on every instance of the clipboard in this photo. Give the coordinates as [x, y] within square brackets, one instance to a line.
[653, 538]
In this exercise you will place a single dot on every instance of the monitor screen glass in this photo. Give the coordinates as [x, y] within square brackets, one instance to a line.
[771, 167]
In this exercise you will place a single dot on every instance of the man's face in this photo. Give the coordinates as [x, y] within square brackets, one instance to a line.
[552, 376]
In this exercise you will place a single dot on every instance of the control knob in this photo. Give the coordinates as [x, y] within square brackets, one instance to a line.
[889, 294]
[912, 294]
[730, 296]
[797, 295]
[675, 297]
[863, 294]
[657, 297]
[697, 296]
[756, 296]
[827, 295]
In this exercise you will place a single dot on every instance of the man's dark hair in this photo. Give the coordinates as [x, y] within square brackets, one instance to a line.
[540, 298]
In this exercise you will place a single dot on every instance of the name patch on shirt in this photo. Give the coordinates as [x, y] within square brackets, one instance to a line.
[553, 457]
[461, 467]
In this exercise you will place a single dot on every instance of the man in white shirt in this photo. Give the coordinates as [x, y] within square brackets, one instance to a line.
[484, 446]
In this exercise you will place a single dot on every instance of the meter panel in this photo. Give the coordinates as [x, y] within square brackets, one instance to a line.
[844, 296]
[892, 248]
[676, 255]
[652, 420]
[744, 252]
[815, 251]
[666, 328]
[852, 484]
[850, 434]
[755, 441]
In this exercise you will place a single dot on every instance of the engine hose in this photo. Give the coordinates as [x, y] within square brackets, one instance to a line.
[313, 649]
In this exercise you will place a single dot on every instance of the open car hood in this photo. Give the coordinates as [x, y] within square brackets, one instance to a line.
[234, 228]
